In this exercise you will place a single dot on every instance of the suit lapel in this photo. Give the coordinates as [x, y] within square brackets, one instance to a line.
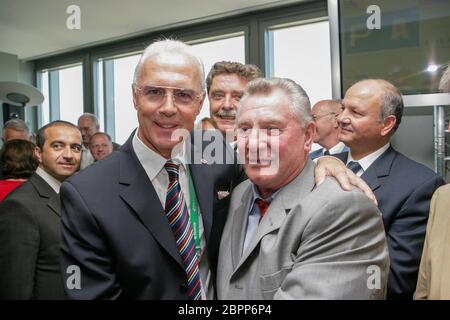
[239, 226]
[140, 195]
[381, 167]
[204, 189]
[202, 174]
[47, 194]
[54, 203]
[280, 207]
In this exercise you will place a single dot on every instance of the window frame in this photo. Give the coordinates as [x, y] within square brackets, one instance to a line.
[254, 25]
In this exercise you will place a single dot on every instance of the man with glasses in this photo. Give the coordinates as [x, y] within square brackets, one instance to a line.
[325, 114]
[146, 222]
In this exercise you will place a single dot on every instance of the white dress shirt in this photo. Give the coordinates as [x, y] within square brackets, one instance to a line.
[52, 181]
[367, 161]
[337, 148]
[86, 157]
[153, 164]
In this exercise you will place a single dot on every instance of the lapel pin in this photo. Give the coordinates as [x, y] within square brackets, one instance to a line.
[222, 194]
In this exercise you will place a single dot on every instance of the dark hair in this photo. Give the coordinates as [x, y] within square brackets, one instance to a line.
[18, 160]
[40, 136]
[246, 71]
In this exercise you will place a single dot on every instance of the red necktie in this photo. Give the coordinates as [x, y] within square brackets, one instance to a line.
[262, 205]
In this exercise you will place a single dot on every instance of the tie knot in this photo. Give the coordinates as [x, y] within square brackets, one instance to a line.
[326, 153]
[172, 167]
[262, 205]
[354, 166]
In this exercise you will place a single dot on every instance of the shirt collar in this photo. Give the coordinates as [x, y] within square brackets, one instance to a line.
[257, 195]
[52, 181]
[337, 148]
[153, 162]
[367, 161]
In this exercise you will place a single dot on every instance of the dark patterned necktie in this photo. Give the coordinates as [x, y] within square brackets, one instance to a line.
[177, 214]
[326, 153]
[354, 166]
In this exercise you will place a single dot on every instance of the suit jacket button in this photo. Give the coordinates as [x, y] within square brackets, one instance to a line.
[183, 288]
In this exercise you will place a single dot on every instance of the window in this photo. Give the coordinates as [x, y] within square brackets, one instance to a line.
[71, 93]
[115, 110]
[302, 53]
[63, 94]
[115, 76]
[228, 49]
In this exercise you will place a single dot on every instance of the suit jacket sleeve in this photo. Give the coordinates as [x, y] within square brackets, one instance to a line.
[405, 240]
[343, 240]
[84, 247]
[423, 281]
[19, 246]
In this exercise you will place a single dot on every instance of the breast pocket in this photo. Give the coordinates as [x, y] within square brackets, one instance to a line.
[271, 282]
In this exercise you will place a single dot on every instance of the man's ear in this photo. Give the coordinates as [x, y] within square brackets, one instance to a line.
[310, 132]
[335, 122]
[38, 154]
[388, 125]
[135, 98]
[200, 104]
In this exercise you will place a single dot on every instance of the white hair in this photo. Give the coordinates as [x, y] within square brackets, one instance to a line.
[300, 105]
[172, 46]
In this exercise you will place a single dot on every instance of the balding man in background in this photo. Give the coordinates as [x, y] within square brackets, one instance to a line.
[372, 112]
[325, 113]
[88, 125]
[100, 145]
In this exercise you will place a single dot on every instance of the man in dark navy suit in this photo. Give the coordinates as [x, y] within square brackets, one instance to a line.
[372, 111]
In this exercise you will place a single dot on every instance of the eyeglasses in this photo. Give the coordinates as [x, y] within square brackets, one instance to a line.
[156, 95]
[315, 118]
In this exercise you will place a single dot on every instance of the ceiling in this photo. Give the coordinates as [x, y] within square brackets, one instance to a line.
[33, 29]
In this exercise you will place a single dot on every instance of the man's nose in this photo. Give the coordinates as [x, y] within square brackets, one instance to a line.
[68, 153]
[168, 107]
[343, 117]
[228, 103]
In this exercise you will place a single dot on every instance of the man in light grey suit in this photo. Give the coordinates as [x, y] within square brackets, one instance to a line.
[284, 237]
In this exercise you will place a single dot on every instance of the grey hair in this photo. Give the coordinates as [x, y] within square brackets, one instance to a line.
[444, 84]
[16, 125]
[392, 105]
[392, 101]
[300, 104]
[173, 46]
[90, 116]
